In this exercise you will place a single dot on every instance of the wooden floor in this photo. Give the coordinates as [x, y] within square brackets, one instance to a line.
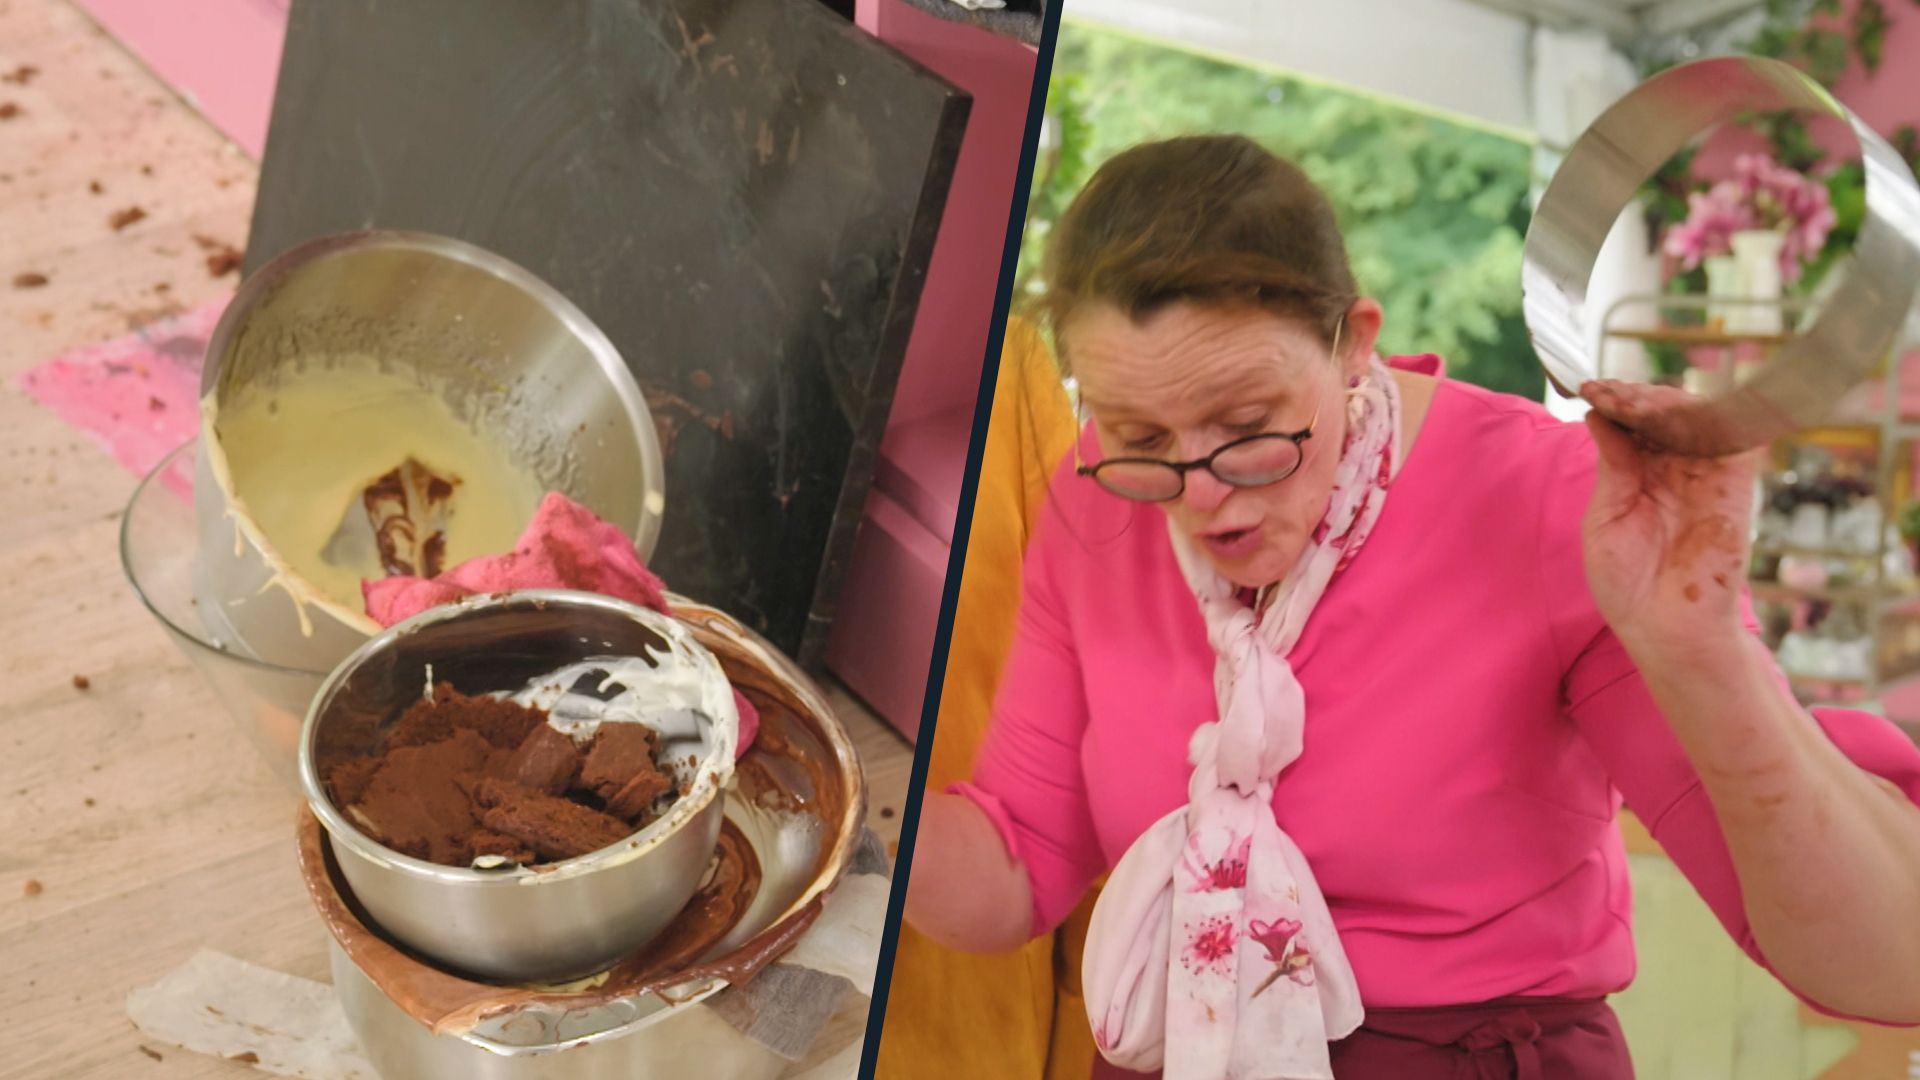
[147, 827]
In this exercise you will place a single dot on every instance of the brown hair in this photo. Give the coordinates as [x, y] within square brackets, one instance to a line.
[1209, 218]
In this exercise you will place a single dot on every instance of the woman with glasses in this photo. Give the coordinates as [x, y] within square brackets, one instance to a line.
[1341, 671]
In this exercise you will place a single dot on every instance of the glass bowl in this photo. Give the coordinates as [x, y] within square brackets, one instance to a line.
[159, 537]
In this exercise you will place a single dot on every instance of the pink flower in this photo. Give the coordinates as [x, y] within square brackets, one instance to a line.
[1210, 945]
[1762, 194]
[1285, 950]
[1713, 216]
[1228, 872]
[1274, 936]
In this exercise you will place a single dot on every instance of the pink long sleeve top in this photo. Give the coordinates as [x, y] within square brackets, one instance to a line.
[1472, 723]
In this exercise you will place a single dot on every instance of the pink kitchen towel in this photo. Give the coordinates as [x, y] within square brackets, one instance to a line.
[565, 546]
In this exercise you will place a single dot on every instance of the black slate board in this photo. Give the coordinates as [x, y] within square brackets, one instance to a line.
[742, 193]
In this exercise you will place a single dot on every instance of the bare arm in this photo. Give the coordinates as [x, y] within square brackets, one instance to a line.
[965, 891]
[1828, 855]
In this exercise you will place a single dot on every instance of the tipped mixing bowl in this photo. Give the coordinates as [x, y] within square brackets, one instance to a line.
[558, 920]
[158, 540]
[509, 355]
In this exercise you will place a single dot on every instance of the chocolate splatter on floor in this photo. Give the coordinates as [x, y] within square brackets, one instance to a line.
[152, 1053]
[224, 262]
[33, 888]
[123, 218]
[81, 682]
[29, 280]
[21, 75]
[222, 258]
[9, 110]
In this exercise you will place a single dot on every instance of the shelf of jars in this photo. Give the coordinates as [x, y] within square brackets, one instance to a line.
[1833, 576]
[1833, 579]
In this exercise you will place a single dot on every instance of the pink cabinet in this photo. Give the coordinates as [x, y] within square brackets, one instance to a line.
[883, 629]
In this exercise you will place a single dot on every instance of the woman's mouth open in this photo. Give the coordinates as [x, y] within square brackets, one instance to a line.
[1231, 544]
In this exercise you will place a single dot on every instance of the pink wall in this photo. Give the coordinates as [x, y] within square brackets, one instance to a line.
[1886, 100]
[1890, 97]
[949, 342]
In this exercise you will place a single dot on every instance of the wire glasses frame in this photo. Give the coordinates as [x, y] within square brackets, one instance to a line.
[1253, 461]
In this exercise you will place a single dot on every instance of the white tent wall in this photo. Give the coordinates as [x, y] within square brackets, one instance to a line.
[1447, 54]
[1574, 76]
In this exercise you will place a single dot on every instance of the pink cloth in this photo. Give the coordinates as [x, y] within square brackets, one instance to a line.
[564, 547]
[1473, 723]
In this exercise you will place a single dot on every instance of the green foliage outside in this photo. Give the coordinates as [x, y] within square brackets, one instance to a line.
[1434, 212]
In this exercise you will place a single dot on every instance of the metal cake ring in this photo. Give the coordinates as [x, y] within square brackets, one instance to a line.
[1602, 173]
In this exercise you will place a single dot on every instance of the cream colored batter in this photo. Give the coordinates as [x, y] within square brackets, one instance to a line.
[299, 457]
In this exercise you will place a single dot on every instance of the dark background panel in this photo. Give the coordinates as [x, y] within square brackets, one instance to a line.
[742, 193]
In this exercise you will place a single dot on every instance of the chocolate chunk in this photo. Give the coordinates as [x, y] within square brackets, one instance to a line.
[620, 769]
[500, 722]
[555, 828]
[618, 753]
[631, 803]
[426, 721]
[463, 777]
[546, 761]
[487, 842]
[418, 801]
[347, 782]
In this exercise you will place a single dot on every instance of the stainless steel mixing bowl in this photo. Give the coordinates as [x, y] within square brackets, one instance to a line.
[510, 355]
[1602, 173]
[559, 920]
[798, 801]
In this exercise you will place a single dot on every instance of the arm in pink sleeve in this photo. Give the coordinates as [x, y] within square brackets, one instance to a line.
[1618, 718]
[1027, 777]
[1615, 712]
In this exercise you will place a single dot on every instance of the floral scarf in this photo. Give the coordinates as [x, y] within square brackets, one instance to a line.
[1211, 952]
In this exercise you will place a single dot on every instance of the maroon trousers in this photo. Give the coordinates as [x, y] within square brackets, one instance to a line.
[1528, 1038]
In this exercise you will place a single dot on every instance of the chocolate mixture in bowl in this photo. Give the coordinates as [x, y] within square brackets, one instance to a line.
[462, 778]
